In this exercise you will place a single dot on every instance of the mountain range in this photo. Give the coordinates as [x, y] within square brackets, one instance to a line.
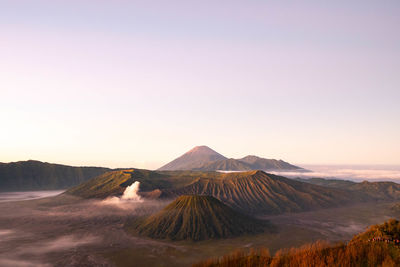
[251, 192]
[203, 158]
[374, 190]
[37, 175]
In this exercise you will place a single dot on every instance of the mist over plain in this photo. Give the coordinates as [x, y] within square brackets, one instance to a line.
[65, 229]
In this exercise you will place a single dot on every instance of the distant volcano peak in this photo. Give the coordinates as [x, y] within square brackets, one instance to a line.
[203, 158]
[194, 158]
[202, 149]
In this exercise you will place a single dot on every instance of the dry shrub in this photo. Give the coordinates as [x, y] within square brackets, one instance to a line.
[315, 254]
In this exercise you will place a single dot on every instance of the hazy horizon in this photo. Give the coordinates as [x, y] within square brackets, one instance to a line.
[309, 166]
[353, 172]
[131, 83]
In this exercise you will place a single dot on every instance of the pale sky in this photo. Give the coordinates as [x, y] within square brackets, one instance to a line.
[138, 83]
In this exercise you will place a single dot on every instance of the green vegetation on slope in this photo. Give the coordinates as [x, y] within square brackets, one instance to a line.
[361, 251]
[36, 175]
[114, 183]
[105, 185]
[197, 218]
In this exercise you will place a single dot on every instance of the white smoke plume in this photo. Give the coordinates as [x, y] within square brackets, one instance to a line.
[131, 191]
[130, 195]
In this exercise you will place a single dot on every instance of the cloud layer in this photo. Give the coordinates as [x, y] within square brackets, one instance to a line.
[348, 173]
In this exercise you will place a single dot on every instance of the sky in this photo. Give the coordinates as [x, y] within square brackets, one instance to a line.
[138, 83]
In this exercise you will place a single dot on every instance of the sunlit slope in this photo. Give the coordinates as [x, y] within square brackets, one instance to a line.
[388, 231]
[107, 184]
[378, 246]
[114, 183]
[259, 192]
[197, 218]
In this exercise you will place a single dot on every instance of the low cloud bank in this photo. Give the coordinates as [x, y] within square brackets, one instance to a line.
[63, 231]
[17, 196]
[5, 232]
[348, 173]
[22, 263]
[61, 243]
[20, 255]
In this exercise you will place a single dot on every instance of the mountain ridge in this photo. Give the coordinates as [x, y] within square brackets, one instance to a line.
[37, 175]
[252, 192]
[203, 158]
[258, 192]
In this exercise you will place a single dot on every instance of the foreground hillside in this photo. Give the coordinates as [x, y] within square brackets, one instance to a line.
[36, 175]
[253, 192]
[366, 249]
[197, 218]
[387, 232]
